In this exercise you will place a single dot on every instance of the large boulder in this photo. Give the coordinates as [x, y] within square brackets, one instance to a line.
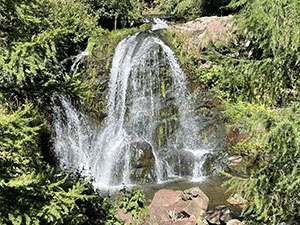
[165, 206]
[198, 202]
[178, 207]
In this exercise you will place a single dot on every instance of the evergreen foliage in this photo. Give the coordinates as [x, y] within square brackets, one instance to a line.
[190, 9]
[116, 13]
[272, 190]
[257, 76]
[263, 65]
[31, 193]
[35, 36]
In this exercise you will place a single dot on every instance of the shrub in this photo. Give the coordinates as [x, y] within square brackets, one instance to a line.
[31, 193]
[35, 36]
[272, 191]
[263, 65]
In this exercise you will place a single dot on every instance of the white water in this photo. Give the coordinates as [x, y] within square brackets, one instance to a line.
[159, 24]
[75, 60]
[146, 83]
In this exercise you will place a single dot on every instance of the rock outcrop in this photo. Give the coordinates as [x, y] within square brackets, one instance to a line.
[205, 30]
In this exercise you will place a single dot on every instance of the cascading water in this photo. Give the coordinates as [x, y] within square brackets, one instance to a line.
[151, 133]
[74, 61]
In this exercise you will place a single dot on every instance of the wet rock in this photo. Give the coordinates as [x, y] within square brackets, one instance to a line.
[234, 222]
[183, 162]
[142, 159]
[143, 155]
[125, 217]
[218, 215]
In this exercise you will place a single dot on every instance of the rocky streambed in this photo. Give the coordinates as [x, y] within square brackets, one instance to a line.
[188, 207]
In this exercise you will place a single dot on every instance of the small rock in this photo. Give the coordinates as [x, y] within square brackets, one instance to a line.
[125, 217]
[234, 222]
[218, 215]
[201, 221]
[237, 200]
[207, 64]
[197, 207]
[194, 193]
[234, 136]
[235, 159]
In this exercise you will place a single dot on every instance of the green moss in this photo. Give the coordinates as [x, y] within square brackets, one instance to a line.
[163, 89]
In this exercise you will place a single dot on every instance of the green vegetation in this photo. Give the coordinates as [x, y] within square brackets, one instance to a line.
[102, 47]
[132, 202]
[273, 140]
[263, 66]
[256, 75]
[31, 192]
[115, 13]
[35, 36]
[189, 9]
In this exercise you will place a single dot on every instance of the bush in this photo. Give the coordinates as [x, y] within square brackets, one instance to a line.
[36, 36]
[272, 191]
[115, 13]
[191, 9]
[31, 193]
[132, 202]
[263, 65]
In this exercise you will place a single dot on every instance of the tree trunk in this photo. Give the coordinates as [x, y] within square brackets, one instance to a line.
[116, 21]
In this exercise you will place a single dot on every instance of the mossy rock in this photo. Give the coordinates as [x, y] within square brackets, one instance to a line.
[142, 161]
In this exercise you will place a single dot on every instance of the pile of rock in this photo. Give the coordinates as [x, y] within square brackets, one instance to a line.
[187, 207]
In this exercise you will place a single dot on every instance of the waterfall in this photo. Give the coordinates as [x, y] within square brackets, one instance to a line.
[152, 132]
[73, 61]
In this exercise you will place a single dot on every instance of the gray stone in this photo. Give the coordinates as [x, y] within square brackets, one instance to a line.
[194, 192]
[197, 207]
[205, 30]
[218, 215]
